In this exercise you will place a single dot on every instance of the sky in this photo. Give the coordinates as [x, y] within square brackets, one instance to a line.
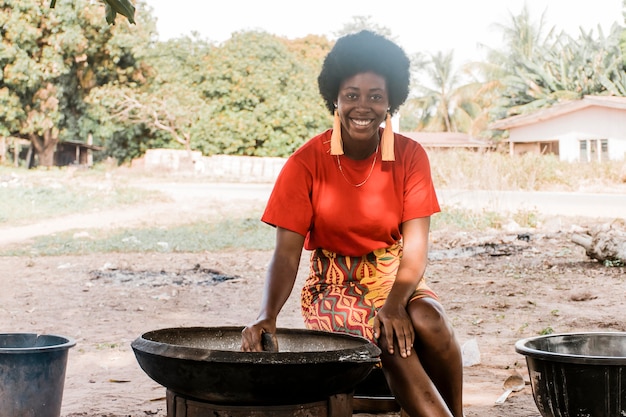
[427, 27]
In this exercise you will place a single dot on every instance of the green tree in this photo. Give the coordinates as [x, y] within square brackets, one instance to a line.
[51, 59]
[534, 70]
[443, 101]
[263, 97]
[112, 8]
[524, 39]
[168, 109]
[570, 69]
[256, 94]
[623, 38]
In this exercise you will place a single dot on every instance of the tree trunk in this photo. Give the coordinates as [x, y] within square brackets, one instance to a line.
[45, 146]
[605, 243]
[3, 149]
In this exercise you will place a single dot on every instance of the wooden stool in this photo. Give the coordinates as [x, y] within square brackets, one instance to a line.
[335, 406]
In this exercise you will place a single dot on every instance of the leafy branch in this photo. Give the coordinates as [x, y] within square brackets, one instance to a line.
[113, 7]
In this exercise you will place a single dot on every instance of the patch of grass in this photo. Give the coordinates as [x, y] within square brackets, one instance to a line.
[28, 195]
[455, 218]
[465, 220]
[460, 169]
[105, 346]
[526, 218]
[245, 233]
[610, 263]
[51, 193]
[19, 205]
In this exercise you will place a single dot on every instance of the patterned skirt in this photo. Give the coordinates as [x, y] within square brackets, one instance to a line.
[343, 293]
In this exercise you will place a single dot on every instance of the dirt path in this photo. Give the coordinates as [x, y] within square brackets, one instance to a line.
[183, 203]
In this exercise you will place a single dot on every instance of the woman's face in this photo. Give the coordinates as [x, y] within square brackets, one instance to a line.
[362, 104]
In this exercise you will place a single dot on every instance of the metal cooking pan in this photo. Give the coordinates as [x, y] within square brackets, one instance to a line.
[207, 364]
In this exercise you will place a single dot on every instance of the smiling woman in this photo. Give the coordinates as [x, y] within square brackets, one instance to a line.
[365, 219]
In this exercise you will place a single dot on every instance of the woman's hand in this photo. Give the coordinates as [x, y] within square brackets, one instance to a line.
[393, 322]
[279, 282]
[251, 335]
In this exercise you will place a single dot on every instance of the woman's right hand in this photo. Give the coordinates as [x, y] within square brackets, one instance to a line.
[251, 335]
[281, 276]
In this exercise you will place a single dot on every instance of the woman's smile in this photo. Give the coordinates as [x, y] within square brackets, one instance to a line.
[362, 122]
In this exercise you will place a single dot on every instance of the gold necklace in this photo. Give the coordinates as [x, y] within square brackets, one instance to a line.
[368, 175]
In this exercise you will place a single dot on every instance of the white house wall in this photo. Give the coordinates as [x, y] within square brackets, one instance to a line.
[588, 123]
[618, 149]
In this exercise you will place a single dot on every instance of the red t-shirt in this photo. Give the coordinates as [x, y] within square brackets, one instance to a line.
[313, 198]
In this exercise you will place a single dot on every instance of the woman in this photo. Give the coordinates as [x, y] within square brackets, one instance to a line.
[360, 198]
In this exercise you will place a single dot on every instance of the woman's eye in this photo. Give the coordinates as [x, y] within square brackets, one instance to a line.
[351, 96]
[376, 97]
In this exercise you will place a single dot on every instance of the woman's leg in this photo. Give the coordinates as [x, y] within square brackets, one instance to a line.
[434, 371]
[412, 387]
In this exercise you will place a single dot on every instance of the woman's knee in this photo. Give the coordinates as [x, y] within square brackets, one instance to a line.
[429, 318]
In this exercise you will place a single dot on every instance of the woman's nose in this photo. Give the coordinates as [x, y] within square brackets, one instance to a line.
[363, 103]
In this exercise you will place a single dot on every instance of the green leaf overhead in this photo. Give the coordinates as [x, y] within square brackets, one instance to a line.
[113, 8]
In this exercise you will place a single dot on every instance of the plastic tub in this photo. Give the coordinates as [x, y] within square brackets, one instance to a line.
[32, 374]
[577, 374]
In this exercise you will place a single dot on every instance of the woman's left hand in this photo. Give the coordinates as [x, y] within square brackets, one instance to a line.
[393, 322]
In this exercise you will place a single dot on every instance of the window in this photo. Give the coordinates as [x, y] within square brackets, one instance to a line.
[549, 147]
[583, 157]
[593, 150]
[604, 149]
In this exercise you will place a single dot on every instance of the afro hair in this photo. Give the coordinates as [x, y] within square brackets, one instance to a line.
[360, 52]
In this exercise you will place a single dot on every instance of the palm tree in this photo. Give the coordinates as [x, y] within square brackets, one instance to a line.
[443, 103]
[525, 43]
[535, 71]
[523, 39]
[569, 69]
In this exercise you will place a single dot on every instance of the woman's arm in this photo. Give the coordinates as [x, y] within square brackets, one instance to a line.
[393, 317]
[279, 281]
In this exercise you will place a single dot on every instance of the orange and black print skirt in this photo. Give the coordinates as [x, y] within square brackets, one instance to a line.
[343, 293]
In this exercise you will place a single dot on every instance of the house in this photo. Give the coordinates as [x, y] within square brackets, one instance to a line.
[74, 153]
[65, 153]
[590, 129]
[13, 148]
[448, 140]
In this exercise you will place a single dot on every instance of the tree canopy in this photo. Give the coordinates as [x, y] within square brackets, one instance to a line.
[73, 71]
[52, 59]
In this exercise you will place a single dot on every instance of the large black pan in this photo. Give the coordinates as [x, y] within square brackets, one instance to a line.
[207, 364]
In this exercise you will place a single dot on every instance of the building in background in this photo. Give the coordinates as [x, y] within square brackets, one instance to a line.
[590, 129]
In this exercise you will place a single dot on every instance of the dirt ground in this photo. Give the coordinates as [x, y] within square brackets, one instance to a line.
[497, 286]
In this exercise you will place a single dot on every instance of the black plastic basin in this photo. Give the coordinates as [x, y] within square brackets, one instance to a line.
[577, 374]
[32, 374]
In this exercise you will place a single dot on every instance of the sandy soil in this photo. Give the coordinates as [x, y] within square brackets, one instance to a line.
[498, 287]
